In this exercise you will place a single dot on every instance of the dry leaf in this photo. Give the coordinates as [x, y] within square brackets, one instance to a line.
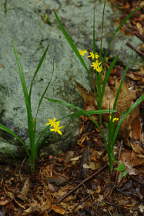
[2, 66]
[126, 97]
[75, 158]
[58, 209]
[90, 165]
[58, 180]
[131, 160]
[137, 76]
[136, 136]
[4, 202]
[140, 28]
[142, 4]
[52, 188]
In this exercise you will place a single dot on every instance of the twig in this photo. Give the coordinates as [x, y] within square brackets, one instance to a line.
[79, 185]
[83, 182]
[141, 37]
[136, 50]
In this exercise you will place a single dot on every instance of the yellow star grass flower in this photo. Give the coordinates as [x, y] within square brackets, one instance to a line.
[56, 129]
[55, 125]
[51, 122]
[97, 66]
[83, 52]
[93, 55]
[114, 119]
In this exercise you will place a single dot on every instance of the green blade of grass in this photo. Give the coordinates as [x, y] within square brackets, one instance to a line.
[37, 69]
[44, 92]
[26, 98]
[41, 136]
[70, 41]
[64, 103]
[80, 111]
[102, 28]
[9, 131]
[99, 112]
[94, 32]
[107, 75]
[120, 87]
[124, 116]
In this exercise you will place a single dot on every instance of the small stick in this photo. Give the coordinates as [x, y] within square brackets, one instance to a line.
[141, 37]
[83, 182]
[136, 50]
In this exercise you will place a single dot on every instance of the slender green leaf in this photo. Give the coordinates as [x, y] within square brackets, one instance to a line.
[9, 131]
[92, 112]
[37, 69]
[41, 136]
[102, 28]
[44, 92]
[26, 99]
[94, 31]
[120, 87]
[66, 104]
[70, 41]
[80, 111]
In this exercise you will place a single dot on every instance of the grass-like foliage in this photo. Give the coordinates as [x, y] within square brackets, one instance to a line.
[35, 139]
[96, 72]
[77, 111]
[98, 75]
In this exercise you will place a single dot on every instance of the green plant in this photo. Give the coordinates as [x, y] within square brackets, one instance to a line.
[77, 111]
[122, 171]
[35, 139]
[115, 130]
[97, 73]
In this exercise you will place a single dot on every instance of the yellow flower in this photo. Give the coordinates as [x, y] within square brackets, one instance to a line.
[97, 66]
[55, 125]
[114, 119]
[93, 55]
[51, 122]
[57, 129]
[83, 52]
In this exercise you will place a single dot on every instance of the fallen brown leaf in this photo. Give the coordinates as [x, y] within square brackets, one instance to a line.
[4, 202]
[131, 160]
[58, 209]
[140, 28]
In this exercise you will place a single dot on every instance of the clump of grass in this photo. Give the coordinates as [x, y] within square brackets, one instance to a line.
[96, 72]
[35, 138]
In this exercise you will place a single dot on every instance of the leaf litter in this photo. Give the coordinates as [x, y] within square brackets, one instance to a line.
[78, 182]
